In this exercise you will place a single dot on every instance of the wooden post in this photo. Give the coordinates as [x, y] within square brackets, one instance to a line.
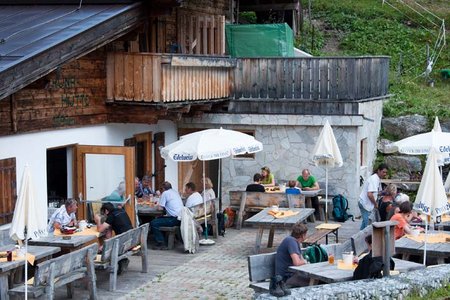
[383, 243]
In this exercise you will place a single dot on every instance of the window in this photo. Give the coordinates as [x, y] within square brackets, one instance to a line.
[8, 193]
[363, 151]
[246, 155]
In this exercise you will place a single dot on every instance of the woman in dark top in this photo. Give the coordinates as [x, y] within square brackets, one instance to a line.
[387, 201]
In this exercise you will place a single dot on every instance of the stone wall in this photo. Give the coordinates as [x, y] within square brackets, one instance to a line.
[420, 282]
[288, 144]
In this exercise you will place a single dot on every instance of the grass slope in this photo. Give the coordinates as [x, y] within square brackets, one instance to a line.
[366, 27]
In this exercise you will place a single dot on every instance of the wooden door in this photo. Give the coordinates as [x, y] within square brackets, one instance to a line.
[98, 165]
[8, 194]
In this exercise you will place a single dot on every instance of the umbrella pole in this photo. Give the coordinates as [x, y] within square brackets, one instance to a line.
[326, 192]
[26, 262]
[425, 245]
[219, 185]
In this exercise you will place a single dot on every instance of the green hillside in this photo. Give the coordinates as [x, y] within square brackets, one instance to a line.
[399, 29]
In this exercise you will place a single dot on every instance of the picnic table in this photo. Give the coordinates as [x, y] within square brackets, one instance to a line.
[68, 243]
[266, 221]
[330, 273]
[408, 245]
[148, 211]
[40, 253]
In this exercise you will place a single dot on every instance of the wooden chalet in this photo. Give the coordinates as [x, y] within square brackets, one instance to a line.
[90, 91]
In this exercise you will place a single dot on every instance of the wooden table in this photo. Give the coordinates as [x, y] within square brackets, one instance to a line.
[407, 247]
[67, 243]
[330, 273]
[40, 253]
[148, 211]
[264, 220]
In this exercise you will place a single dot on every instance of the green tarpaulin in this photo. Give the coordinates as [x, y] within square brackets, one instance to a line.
[259, 40]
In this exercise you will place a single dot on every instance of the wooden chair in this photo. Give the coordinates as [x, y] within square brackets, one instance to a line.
[61, 271]
[261, 267]
[132, 242]
[359, 245]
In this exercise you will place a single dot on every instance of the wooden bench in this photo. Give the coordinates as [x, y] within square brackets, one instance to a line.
[61, 271]
[132, 242]
[323, 230]
[359, 244]
[329, 204]
[245, 202]
[261, 267]
[199, 215]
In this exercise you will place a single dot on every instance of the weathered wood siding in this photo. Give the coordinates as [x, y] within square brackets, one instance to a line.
[318, 78]
[73, 95]
[145, 77]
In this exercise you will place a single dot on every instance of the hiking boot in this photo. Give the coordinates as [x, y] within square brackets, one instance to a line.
[123, 265]
[285, 289]
[160, 246]
[274, 288]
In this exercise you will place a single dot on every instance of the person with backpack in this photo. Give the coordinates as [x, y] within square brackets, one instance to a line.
[289, 254]
[368, 197]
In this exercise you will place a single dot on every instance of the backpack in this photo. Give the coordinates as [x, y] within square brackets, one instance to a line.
[229, 215]
[340, 207]
[315, 253]
[221, 223]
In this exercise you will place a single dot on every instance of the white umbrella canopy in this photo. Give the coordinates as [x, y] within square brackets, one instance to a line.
[431, 198]
[437, 125]
[210, 144]
[30, 218]
[326, 153]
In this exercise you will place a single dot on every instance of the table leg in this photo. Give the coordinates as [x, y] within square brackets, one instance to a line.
[258, 239]
[337, 236]
[4, 286]
[313, 281]
[270, 241]
[311, 218]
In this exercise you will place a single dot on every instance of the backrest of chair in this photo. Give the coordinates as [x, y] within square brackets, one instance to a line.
[261, 266]
[359, 245]
[295, 201]
[127, 240]
[64, 264]
[199, 211]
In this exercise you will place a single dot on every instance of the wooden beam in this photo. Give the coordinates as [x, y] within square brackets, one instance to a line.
[13, 107]
[267, 7]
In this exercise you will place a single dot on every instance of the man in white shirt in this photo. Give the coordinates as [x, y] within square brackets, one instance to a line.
[63, 216]
[368, 197]
[194, 198]
[170, 201]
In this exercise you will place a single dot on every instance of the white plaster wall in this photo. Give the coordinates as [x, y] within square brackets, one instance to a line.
[31, 148]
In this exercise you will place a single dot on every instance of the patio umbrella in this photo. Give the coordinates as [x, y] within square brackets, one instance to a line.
[30, 219]
[431, 198]
[210, 144]
[326, 153]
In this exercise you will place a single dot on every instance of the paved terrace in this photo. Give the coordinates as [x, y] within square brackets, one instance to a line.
[215, 272]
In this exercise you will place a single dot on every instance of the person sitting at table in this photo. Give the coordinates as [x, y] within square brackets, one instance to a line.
[289, 254]
[208, 193]
[170, 201]
[193, 197]
[403, 217]
[368, 266]
[308, 182]
[138, 192]
[293, 189]
[147, 186]
[64, 216]
[267, 178]
[387, 201]
[118, 221]
[256, 186]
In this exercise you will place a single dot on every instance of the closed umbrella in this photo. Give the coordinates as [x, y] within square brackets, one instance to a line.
[431, 198]
[326, 153]
[30, 218]
[210, 144]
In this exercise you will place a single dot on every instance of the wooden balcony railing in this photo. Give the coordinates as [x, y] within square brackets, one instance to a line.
[317, 78]
[145, 77]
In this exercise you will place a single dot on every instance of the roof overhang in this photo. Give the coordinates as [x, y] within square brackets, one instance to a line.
[31, 47]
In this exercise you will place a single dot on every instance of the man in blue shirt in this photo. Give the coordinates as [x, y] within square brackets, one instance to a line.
[290, 254]
[170, 201]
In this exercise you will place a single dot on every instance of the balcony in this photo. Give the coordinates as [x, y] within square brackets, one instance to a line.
[163, 78]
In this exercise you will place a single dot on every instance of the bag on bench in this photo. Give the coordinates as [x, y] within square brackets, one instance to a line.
[315, 253]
